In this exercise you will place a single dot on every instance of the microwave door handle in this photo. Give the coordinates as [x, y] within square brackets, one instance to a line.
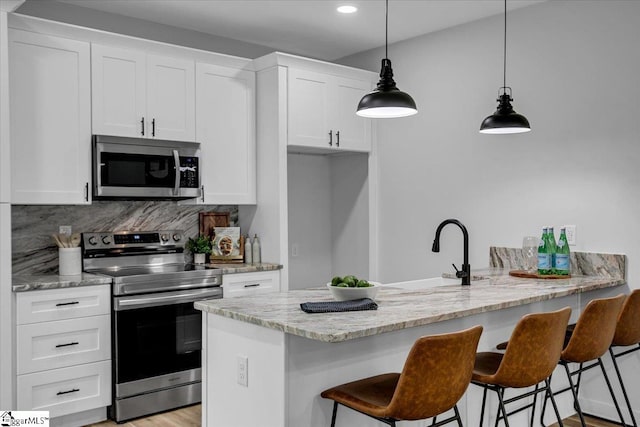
[176, 186]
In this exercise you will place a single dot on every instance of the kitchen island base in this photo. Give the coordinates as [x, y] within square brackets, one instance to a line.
[286, 373]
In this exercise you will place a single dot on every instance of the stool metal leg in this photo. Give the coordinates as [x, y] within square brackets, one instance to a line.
[613, 396]
[502, 408]
[553, 402]
[624, 390]
[484, 401]
[576, 404]
[333, 416]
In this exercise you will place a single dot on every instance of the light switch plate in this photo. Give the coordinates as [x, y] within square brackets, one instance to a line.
[243, 370]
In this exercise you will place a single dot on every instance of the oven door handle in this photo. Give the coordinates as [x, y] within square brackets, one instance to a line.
[165, 298]
[176, 159]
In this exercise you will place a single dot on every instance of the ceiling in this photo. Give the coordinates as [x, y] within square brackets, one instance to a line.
[308, 27]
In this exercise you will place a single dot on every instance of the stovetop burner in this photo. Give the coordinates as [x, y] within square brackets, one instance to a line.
[144, 262]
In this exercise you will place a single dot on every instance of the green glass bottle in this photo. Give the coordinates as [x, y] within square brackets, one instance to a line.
[553, 248]
[563, 260]
[544, 257]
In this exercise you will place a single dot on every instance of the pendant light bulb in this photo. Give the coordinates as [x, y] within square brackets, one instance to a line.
[505, 119]
[386, 100]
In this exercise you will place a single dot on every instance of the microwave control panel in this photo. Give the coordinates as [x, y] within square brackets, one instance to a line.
[189, 172]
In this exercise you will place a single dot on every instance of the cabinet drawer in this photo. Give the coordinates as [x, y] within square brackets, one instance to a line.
[59, 304]
[62, 343]
[243, 284]
[67, 390]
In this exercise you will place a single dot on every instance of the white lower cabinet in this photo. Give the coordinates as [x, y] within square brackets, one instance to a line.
[67, 390]
[245, 284]
[64, 350]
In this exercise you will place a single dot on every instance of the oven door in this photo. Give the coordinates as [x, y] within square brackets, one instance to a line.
[157, 340]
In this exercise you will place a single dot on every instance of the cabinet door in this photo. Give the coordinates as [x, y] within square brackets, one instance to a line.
[50, 103]
[118, 91]
[309, 106]
[355, 131]
[225, 127]
[171, 98]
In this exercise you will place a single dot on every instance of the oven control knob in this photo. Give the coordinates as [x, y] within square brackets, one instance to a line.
[164, 237]
[106, 240]
[177, 237]
[93, 241]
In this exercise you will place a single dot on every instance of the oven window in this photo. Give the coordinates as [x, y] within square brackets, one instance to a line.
[156, 341]
[136, 170]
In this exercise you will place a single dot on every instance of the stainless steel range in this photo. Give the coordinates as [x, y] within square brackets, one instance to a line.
[156, 340]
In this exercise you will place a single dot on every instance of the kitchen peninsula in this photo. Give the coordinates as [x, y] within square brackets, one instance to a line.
[291, 356]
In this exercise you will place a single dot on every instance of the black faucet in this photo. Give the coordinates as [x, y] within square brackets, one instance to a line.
[465, 273]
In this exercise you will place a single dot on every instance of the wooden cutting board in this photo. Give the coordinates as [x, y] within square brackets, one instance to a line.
[526, 274]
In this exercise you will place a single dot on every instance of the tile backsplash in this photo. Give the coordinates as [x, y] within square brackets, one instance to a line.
[34, 252]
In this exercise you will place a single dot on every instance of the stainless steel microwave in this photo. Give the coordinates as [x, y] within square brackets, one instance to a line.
[138, 168]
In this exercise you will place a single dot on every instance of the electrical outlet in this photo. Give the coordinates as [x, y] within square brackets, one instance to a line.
[570, 231]
[243, 370]
[64, 229]
[295, 250]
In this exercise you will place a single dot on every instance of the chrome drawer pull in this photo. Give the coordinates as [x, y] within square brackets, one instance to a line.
[60, 304]
[73, 390]
[67, 345]
[255, 285]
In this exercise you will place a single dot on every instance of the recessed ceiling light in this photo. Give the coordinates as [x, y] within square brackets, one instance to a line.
[347, 9]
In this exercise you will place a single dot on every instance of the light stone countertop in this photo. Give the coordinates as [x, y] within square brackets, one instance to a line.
[35, 282]
[22, 283]
[398, 308]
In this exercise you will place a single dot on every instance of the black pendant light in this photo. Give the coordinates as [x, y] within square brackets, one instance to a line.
[505, 119]
[386, 100]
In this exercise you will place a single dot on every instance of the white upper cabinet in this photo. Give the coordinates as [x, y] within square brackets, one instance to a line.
[225, 128]
[50, 101]
[322, 112]
[139, 95]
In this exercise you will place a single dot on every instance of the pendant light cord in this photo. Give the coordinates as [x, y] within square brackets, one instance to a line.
[504, 82]
[386, 30]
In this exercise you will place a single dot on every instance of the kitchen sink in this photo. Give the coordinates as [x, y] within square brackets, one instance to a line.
[424, 283]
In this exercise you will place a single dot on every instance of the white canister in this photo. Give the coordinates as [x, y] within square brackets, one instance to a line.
[69, 261]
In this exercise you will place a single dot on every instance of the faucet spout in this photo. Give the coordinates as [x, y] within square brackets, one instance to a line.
[465, 272]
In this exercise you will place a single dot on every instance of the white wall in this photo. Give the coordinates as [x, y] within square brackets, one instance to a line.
[328, 218]
[574, 67]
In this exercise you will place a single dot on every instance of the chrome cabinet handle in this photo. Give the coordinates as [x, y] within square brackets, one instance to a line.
[153, 127]
[330, 138]
[255, 285]
[338, 138]
[86, 191]
[202, 188]
[142, 123]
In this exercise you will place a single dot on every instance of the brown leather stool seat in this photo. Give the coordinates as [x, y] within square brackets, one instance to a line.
[530, 358]
[589, 339]
[436, 374]
[627, 335]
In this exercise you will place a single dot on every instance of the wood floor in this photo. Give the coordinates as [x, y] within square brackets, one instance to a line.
[574, 421]
[183, 417]
[190, 417]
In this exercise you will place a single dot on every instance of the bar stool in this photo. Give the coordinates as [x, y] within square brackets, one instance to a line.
[587, 341]
[436, 374]
[627, 334]
[531, 355]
